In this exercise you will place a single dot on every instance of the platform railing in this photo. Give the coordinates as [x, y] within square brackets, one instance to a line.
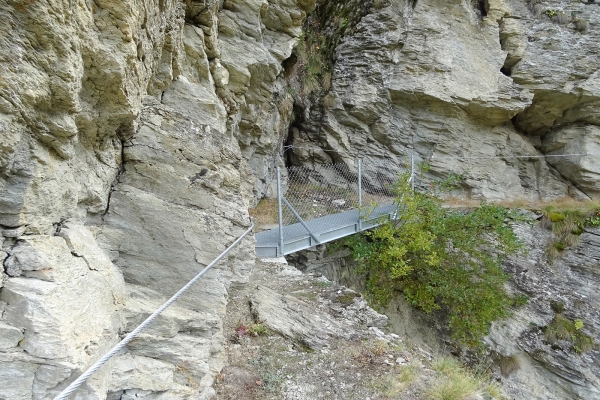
[310, 193]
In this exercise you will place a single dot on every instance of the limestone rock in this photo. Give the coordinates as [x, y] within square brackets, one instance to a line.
[63, 308]
[255, 37]
[180, 202]
[464, 92]
[295, 319]
[62, 126]
[124, 117]
[584, 167]
[9, 336]
[17, 379]
[174, 356]
[178, 175]
[552, 371]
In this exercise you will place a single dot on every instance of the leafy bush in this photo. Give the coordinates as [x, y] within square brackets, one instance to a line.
[440, 259]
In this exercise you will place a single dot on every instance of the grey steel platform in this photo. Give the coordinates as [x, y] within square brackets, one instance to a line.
[328, 228]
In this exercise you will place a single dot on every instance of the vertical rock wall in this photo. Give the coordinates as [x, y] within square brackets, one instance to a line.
[122, 176]
[469, 87]
[136, 134]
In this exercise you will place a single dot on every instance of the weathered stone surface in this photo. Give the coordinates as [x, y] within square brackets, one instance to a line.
[177, 356]
[189, 209]
[17, 379]
[65, 110]
[297, 320]
[64, 307]
[164, 182]
[552, 371]
[584, 168]
[254, 38]
[442, 83]
[181, 199]
[9, 336]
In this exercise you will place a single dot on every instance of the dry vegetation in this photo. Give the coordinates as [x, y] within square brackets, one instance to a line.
[268, 366]
[265, 212]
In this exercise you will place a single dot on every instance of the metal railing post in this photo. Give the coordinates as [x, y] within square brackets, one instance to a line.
[359, 192]
[299, 218]
[359, 182]
[412, 172]
[280, 212]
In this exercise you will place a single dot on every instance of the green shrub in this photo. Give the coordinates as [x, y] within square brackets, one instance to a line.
[562, 328]
[441, 259]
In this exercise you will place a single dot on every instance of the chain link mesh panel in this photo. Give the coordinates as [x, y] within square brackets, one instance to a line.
[378, 179]
[326, 190]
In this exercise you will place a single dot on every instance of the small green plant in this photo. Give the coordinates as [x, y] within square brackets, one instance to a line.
[562, 328]
[347, 298]
[555, 216]
[520, 300]
[593, 220]
[560, 246]
[557, 306]
[567, 225]
[441, 259]
[252, 329]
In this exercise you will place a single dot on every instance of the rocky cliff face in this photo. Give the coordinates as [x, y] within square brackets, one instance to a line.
[529, 363]
[135, 135]
[472, 88]
[122, 176]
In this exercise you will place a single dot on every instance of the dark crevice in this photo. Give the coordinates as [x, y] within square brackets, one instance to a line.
[58, 226]
[288, 64]
[295, 124]
[287, 152]
[506, 71]
[483, 7]
[117, 179]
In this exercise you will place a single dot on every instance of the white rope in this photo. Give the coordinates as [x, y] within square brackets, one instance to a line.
[290, 147]
[490, 157]
[73, 386]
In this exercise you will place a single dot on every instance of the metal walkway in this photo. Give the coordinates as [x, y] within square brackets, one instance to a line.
[326, 229]
[327, 202]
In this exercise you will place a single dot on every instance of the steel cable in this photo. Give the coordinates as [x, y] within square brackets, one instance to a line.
[79, 381]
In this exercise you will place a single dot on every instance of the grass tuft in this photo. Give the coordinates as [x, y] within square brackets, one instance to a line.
[581, 25]
[570, 240]
[454, 387]
[552, 253]
[265, 212]
[583, 343]
[446, 365]
[509, 365]
[561, 328]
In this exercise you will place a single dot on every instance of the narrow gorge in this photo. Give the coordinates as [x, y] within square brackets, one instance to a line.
[137, 135]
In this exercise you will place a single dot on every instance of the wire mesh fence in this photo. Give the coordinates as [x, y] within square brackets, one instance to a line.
[340, 190]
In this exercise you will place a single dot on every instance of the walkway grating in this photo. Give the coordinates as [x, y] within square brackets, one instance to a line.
[327, 228]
